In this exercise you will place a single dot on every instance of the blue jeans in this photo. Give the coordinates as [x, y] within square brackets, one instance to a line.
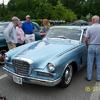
[93, 53]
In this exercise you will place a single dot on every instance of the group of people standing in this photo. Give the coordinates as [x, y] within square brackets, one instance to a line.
[18, 33]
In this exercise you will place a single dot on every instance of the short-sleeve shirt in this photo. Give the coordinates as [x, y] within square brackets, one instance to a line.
[28, 27]
[93, 33]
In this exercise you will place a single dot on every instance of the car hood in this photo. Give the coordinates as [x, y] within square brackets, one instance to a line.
[42, 53]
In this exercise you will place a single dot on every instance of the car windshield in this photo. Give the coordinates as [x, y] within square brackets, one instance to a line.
[65, 33]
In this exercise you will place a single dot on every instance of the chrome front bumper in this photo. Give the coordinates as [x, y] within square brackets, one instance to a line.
[34, 80]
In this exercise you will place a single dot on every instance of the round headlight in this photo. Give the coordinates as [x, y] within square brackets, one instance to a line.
[6, 58]
[51, 67]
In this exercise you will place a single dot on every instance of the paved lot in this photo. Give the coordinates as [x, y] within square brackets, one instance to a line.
[78, 90]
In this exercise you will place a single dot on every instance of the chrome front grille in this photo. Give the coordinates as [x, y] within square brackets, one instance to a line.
[21, 67]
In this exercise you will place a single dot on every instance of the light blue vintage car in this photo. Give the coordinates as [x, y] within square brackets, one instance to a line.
[50, 61]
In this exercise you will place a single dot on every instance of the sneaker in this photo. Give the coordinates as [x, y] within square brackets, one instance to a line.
[87, 79]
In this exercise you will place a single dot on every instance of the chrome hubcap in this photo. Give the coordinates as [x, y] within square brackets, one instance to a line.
[68, 74]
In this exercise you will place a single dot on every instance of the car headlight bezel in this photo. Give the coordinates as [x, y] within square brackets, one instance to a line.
[51, 67]
[6, 58]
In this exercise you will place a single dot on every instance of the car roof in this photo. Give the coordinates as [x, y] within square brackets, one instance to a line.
[71, 27]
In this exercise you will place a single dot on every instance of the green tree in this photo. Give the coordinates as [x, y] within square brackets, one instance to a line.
[62, 12]
[75, 5]
[39, 9]
[53, 2]
[12, 5]
[93, 6]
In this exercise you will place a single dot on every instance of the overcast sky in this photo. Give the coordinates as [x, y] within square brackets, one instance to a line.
[5, 1]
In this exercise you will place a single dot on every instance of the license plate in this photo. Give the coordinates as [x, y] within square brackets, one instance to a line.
[17, 79]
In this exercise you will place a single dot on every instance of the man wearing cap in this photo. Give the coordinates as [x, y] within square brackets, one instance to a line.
[10, 33]
[28, 28]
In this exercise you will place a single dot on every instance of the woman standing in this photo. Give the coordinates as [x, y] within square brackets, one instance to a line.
[20, 34]
[45, 28]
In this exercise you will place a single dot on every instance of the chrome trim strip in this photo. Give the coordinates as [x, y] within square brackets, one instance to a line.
[43, 71]
[35, 80]
[24, 59]
[81, 36]
[67, 50]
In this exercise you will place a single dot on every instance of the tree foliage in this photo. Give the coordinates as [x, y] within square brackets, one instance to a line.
[52, 9]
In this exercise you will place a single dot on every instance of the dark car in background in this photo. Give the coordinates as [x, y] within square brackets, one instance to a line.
[37, 31]
[3, 45]
[79, 23]
[3, 25]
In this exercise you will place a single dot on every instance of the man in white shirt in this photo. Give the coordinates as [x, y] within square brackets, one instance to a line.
[10, 33]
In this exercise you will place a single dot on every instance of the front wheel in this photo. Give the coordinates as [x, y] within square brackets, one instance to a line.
[2, 56]
[67, 77]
